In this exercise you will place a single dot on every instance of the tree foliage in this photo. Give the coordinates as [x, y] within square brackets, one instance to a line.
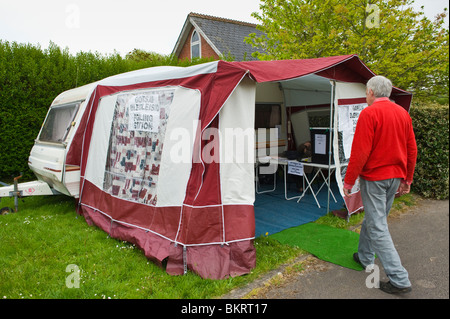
[138, 55]
[388, 35]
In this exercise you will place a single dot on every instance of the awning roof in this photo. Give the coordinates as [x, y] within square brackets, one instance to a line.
[297, 73]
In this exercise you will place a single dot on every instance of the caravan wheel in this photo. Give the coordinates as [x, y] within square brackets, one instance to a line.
[5, 211]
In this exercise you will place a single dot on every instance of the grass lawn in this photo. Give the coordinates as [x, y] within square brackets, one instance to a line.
[43, 245]
[46, 238]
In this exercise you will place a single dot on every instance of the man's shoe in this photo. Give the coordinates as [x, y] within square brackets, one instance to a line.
[391, 289]
[356, 258]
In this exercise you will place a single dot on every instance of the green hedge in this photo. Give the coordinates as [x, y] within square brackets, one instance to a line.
[431, 127]
[29, 80]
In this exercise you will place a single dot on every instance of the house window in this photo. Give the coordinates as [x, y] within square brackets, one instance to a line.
[195, 45]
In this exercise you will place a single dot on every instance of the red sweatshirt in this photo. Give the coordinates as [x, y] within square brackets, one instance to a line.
[384, 145]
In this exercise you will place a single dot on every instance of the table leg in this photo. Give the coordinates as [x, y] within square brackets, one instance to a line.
[326, 182]
[310, 187]
[257, 183]
[285, 185]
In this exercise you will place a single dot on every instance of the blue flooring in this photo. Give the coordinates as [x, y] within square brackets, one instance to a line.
[273, 213]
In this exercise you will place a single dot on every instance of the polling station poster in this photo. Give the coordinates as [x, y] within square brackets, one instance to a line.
[144, 113]
[348, 117]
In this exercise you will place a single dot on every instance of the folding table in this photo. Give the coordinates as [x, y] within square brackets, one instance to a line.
[284, 162]
[326, 180]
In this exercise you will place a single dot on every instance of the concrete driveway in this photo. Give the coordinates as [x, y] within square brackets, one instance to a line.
[421, 236]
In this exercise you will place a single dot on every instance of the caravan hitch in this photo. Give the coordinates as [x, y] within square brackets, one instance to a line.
[16, 193]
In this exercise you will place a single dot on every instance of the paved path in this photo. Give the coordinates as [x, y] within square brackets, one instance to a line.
[421, 236]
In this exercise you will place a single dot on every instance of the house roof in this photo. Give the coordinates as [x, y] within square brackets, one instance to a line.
[225, 36]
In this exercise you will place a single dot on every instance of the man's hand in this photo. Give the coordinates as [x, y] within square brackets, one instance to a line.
[347, 192]
[404, 189]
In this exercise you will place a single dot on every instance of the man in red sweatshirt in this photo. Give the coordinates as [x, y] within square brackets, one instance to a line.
[383, 156]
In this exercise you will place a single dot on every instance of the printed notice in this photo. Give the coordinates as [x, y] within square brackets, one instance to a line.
[144, 113]
[320, 144]
[295, 168]
[348, 118]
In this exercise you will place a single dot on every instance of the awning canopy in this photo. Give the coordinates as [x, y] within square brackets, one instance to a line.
[313, 75]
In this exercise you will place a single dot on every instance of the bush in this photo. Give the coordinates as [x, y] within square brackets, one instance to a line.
[29, 80]
[431, 127]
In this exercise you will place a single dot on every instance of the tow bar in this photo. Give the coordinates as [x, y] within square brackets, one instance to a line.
[16, 193]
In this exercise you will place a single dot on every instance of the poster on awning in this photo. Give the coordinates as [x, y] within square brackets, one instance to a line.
[136, 142]
[348, 117]
[144, 113]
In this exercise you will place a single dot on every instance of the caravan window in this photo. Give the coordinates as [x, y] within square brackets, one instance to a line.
[57, 123]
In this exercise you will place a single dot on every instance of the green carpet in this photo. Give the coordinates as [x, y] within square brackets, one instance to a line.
[326, 243]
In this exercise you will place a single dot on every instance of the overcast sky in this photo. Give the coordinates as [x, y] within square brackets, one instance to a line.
[121, 25]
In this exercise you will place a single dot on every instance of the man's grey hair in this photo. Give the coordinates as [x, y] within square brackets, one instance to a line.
[381, 86]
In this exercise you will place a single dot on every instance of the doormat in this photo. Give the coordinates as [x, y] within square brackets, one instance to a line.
[325, 242]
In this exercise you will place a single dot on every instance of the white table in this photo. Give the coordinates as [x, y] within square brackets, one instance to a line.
[326, 180]
[277, 161]
[319, 172]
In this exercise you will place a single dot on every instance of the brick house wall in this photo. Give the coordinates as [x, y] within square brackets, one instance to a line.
[206, 52]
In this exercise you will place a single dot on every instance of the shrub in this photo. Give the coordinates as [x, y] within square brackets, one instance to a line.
[29, 80]
[431, 127]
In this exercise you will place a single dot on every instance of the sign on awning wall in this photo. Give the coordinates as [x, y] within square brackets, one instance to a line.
[137, 138]
[350, 100]
[348, 117]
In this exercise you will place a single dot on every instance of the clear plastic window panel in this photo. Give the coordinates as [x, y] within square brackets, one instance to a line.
[136, 144]
[58, 123]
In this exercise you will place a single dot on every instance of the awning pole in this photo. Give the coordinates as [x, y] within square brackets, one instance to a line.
[330, 149]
